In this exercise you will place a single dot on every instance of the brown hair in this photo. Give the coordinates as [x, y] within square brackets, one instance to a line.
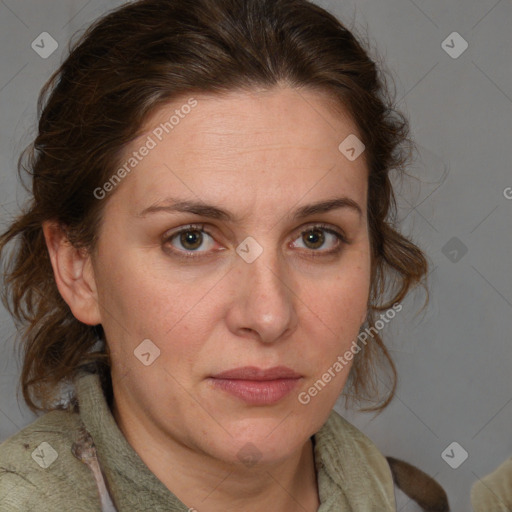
[139, 57]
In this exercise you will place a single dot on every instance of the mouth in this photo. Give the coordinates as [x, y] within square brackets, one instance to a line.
[256, 386]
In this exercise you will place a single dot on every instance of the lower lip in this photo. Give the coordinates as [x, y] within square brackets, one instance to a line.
[257, 392]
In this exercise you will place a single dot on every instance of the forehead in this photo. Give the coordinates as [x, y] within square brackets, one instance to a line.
[252, 146]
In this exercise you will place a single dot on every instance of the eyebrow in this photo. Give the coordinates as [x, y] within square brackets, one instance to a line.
[173, 205]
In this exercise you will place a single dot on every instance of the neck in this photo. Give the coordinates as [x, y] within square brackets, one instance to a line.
[203, 483]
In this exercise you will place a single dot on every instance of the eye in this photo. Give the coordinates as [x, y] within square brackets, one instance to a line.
[188, 241]
[191, 238]
[318, 236]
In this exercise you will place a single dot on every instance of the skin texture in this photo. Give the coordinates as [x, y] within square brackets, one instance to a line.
[259, 155]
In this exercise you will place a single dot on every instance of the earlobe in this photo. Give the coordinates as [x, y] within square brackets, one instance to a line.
[73, 274]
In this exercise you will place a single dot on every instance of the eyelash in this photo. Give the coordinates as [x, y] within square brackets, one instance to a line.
[188, 255]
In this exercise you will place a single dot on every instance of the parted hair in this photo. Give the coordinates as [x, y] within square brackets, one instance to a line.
[138, 58]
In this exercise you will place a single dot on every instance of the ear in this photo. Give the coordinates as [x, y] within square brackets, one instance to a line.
[73, 273]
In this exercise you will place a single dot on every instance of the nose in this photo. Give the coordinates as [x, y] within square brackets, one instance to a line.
[264, 305]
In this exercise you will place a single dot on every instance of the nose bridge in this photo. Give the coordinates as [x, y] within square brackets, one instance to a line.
[260, 252]
[268, 298]
[266, 275]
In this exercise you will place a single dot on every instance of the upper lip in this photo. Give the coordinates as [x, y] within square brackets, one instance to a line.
[255, 373]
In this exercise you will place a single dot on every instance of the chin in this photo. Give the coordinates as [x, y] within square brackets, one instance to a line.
[264, 439]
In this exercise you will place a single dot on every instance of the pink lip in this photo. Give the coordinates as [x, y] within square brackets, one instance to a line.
[254, 373]
[256, 386]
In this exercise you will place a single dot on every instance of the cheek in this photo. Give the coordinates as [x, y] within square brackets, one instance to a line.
[344, 295]
[144, 301]
[337, 311]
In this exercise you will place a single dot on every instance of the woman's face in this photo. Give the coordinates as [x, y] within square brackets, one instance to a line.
[241, 286]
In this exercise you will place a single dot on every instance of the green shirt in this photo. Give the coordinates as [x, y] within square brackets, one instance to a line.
[40, 473]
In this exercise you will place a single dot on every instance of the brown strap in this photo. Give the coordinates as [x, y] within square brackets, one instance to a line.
[418, 486]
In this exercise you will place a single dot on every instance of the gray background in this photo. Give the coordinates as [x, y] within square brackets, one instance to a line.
[454, 358]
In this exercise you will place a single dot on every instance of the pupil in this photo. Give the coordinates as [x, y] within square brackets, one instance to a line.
[188, 237]
[315, 237]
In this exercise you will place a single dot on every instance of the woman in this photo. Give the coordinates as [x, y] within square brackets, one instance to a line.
[210, 230]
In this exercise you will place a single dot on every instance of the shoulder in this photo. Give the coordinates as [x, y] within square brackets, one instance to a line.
[39, 472]
[341, 428]
[494, 491]
[398, 478]
[352, 460]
